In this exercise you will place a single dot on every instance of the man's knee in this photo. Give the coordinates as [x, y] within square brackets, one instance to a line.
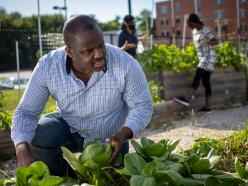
[51, 132]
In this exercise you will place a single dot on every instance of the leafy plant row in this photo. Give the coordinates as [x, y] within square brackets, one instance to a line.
[172, 58]
[152, 164]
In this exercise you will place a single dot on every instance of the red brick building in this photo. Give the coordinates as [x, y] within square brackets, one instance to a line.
[220, 15]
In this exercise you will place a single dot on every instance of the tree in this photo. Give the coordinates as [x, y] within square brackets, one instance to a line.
[144, 22]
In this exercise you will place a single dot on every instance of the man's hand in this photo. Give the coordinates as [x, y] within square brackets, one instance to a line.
[118, 140]
[23, 155]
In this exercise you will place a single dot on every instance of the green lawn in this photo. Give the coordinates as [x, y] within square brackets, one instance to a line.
[12, 97]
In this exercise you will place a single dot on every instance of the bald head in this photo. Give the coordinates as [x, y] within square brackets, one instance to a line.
[75, 25]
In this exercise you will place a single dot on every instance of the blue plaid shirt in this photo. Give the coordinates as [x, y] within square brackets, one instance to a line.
[115, 97]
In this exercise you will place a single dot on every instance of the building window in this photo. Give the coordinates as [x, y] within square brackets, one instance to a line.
[177, 7]
[242, 1]
[218, 2]
[219, 14]
[164, 9]
[199, 4]
[164, 22]
[167, 34]
[177, 20]
[243, 28]
[242, 13]
[178, 33]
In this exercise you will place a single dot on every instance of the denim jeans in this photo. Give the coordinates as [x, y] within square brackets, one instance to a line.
[52, 133]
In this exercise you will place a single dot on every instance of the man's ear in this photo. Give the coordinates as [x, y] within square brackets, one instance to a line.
[69, 51]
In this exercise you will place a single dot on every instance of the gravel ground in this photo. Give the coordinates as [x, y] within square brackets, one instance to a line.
[218, 124]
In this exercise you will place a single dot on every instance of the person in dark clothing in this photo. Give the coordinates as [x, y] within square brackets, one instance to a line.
[127, 38]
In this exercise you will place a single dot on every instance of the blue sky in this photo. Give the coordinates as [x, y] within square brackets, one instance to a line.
[104, 10]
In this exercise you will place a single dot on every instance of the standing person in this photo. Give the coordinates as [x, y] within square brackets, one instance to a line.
[101, 93]
[203, 39]
[127, 38]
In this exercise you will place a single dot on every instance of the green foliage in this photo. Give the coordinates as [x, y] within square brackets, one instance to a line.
[203, 146]
[155, 89]
[228, 148]
[91, 165]
[12, 98]
[5, 120]
[110, 25]
[164, 57]
[227, 56]
[5, 116]
[153, 163]
[234, 146]
[36, 174]
[97, 152]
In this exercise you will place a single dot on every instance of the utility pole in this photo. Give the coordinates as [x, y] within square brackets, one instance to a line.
[238, 25]
[39, 28]
[196, 7]
[129, 7]
[151, 33]
[173, 23]
[65, 10]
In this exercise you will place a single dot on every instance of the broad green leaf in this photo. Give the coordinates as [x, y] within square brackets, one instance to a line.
[138, 180]
[36, 170]
[22, 175]
[134, 163]
[171, 177]
[246, 166]
[75, 165]
[201, 176]
[39, 169]
[68, 155]
[2, 181]
[151, 168]
[173, 145]
[200, 166]
[240, 169]
[137, 147]
[32, 182]
[98, 152]
[123, 171]
[145, 142]
[160, 158]
[177, 167]
[9, 183]
[223, 180]
[91, 164]
[211, 153]
[192, 182]
[73, 161]
[212, 181]
[214, 161]
[176, 156]
[51, 181]
[155, 149]
[227, 175]
[192, 159]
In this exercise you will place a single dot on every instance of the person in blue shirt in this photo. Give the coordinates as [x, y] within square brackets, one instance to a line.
[127, 38]
[101, 94]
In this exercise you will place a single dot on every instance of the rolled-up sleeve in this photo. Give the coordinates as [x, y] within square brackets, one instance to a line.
[138, 99]
[32, 103]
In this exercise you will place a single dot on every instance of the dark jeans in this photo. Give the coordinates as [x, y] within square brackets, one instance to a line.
[52, 133]
[203, 75]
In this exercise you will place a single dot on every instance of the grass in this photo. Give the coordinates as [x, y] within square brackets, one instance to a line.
[12, 98]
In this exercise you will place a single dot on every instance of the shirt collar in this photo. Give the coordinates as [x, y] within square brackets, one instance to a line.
[69, 61]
